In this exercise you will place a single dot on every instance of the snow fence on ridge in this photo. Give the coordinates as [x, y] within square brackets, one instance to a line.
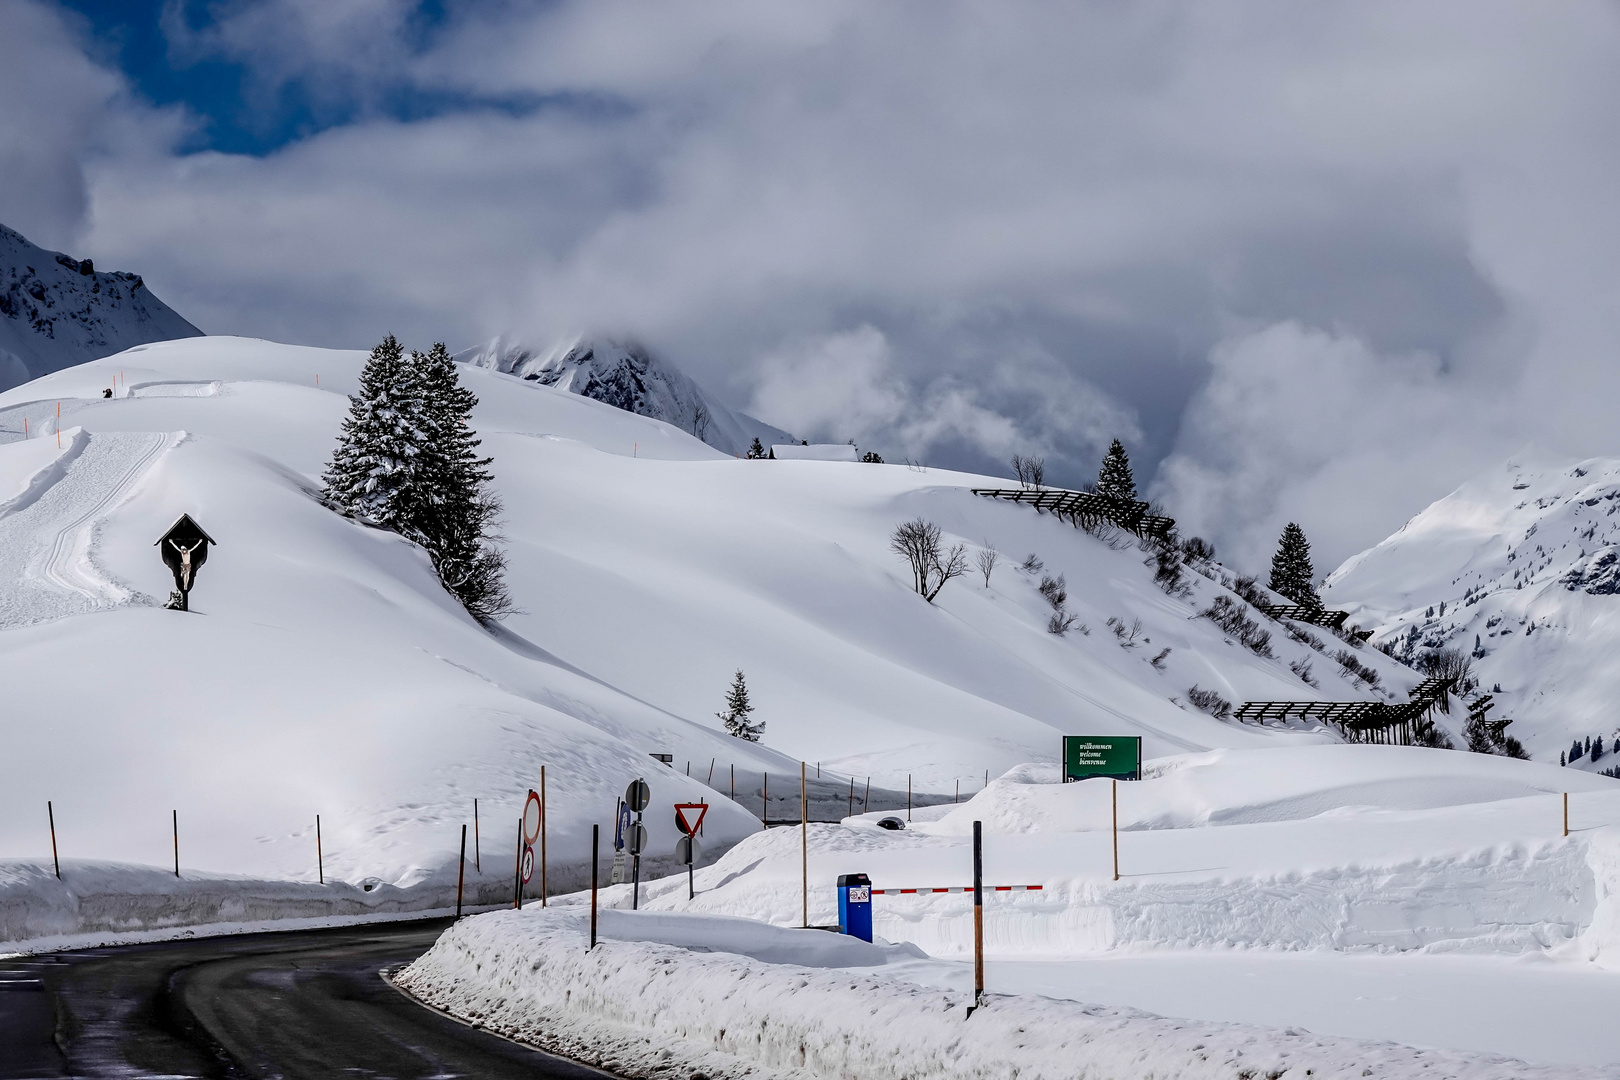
[688, 996]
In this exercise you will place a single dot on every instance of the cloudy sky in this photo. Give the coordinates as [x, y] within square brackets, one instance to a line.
[1313, 262]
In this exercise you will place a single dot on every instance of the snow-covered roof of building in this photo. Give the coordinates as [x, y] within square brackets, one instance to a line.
[813, 452]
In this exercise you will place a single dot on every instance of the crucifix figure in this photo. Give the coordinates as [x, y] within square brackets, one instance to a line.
[183, 575]
[184, 549]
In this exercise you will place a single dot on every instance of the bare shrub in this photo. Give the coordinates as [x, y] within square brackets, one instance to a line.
[986, 560]
[1166, 563]
[1062, 622]
[1233, 618]
[1304, 637]
[1302, 668]
[919, 543]
[1209, 701]
[1032, 564]
[1197, 549]
[1354, 667]
[1446, 664]
[1248, 588]
[1056, 591]
[1127, 634]
[1158, 661]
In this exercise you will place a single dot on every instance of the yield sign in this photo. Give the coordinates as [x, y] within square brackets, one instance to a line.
[690, 825]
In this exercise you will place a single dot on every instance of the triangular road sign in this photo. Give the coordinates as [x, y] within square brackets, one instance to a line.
[689, 817]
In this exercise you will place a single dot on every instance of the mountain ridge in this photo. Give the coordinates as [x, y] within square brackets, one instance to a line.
[628, 376]
[57, 311]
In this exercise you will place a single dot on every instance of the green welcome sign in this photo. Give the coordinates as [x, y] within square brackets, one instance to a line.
[1117, 756]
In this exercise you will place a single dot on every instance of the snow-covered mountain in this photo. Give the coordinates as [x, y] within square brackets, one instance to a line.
[56, 311]
[1519, 567]
[324, 670]
[627, 376]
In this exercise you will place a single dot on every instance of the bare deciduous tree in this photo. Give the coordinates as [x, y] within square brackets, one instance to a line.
[987, 559]
[700, 420]
[919, 543]
[1030, 471]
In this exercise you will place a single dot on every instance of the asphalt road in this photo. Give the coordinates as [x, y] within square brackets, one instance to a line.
[302, 1004]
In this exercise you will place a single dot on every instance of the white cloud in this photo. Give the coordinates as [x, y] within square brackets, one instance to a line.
[1302, 425]
[1051, 218]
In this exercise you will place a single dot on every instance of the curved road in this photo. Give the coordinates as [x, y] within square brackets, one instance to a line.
[300, 1004]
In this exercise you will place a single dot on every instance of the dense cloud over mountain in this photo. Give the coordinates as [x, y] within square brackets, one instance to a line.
[1313, 264]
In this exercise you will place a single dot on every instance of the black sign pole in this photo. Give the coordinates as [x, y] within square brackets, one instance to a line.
[595, 839]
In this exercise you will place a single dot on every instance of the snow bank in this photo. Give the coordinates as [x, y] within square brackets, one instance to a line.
[722, 998]
[100, 903]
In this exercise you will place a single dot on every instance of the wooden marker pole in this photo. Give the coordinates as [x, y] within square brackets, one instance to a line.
[1566, 813]
[478, 863]
[50, 813]
[765, 799]
[866, 800]
[710, 780]
[461, 869]
[320, 859]
[804, 846]
[978, 915]
[908, 796]
[58, 425]
[958, 791]
[734, 782]
[850, 812]
[1114, 791]
[542, 836]
[596, 832]
[176, 814]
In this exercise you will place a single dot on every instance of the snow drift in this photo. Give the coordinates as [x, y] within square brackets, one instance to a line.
[724, 998]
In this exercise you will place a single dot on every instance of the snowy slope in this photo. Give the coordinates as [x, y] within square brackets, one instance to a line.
[1521, 568]
[627, 376]
[324, 671]
[56, 311]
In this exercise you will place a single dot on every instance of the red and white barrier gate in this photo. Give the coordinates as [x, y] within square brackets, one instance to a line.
[960, 888]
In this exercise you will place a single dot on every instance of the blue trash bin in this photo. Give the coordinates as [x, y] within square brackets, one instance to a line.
[855, 906]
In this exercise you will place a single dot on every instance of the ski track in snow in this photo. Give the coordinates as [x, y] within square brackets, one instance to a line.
[47, 537]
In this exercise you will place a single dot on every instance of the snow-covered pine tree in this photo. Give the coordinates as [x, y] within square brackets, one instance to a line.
[458, 509]
[756, 450]
[738, 708]
[1291, 569]
[373, 471]
[1114, 479]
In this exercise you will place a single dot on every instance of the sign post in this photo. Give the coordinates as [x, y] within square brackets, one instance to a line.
[636, 797]
[1115, 756]
[686, 848]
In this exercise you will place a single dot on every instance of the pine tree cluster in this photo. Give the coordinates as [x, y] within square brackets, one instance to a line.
[1291, 569]
[735, 718]
[407, 459]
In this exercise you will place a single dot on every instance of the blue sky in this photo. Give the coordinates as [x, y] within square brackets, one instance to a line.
[237, 113]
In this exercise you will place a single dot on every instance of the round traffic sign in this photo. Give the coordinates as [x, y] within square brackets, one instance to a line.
[528, 863]
[686, 850]
[531, 818]
[635, 838]
[638, 795]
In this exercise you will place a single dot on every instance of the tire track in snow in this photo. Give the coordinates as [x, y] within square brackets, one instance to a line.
[46, 543]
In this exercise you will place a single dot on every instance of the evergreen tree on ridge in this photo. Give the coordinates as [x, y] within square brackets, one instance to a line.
[1291, 571]
[1114, 479]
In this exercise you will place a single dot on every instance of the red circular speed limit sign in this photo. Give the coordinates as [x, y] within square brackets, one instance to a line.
[528, 863]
